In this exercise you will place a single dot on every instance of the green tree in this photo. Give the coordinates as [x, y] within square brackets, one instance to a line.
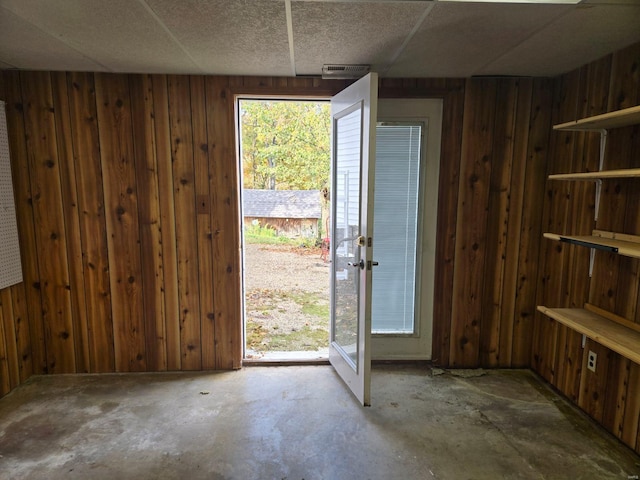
[285, 144]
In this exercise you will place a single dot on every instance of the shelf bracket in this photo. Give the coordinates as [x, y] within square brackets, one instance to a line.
[603, 148]
[592, 258]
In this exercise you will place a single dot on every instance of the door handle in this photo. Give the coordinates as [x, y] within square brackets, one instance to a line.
[356, 265]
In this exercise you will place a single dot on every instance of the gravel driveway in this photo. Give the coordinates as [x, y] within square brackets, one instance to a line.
[286, 299]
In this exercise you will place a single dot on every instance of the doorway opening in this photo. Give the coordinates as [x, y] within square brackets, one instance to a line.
[285, 163]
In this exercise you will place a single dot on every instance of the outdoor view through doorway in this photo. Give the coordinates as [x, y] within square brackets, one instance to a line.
[286, 161]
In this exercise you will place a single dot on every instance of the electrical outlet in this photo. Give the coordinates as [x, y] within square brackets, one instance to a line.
[591, 361]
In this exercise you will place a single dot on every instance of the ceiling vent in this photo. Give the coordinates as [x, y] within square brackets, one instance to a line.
[338, 71]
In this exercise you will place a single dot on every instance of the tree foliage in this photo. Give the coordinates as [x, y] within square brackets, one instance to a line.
[285, 144]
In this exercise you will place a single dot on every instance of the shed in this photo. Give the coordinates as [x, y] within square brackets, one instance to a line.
[293, 213]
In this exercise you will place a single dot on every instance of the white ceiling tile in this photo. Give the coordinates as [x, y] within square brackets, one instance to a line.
[565, 44]
[355, 33]
[23, 45]
[230, 36]
[458, 40]
[119, 34]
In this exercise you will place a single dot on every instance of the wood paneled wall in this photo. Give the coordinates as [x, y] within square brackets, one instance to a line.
[126, 197]
[491, 185]
[127, 205]
[612, 394]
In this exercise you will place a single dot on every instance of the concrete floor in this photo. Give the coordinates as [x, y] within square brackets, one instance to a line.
[301, 423]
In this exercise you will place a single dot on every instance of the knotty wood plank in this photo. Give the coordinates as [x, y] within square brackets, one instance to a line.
[616, 395]
[630, 430]
[5, 374]
[23, 334]
[569, 363]
[452, 114]
[623, 89]
[10, 343]
[514, 219]
[593, 385]
[25, 216]
[225, 224]
[167, 220]
[203, 222]
[475, 174]
[71, 221]
[142, 115]
[186, 229]
[46, 190]
[121, 213]
[554, 259]
[504, 129]
[535, 165]
[90, 195]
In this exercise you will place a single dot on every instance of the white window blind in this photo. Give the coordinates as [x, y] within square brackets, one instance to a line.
[395, 227]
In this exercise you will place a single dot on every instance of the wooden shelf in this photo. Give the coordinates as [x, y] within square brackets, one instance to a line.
[627, 245]
[621, 338]
[626, 173]
[617, 119]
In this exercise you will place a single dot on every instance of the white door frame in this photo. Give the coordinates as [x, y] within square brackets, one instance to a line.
[418, 346]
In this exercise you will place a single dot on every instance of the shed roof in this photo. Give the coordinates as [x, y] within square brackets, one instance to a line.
[281, 203]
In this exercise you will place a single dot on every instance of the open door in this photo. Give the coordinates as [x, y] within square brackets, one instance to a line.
[353, 117]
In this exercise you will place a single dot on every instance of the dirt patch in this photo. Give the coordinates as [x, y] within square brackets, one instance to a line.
[286, 299]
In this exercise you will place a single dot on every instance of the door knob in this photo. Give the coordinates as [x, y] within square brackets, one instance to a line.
[353, 264]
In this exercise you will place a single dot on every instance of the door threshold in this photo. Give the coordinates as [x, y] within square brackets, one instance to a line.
[286, 358]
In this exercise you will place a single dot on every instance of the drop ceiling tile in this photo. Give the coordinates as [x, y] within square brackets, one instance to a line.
[23, 45]
[355, 33]
[121, 35]
[585, 34]
[230, 36]
[458, 40]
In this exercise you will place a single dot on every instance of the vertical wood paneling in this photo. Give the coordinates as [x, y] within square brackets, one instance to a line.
[611, 394]
[5, 374]
[186, 228]
[203, 209]
[167, 220]
[93, 236]
[23, 335]
[453, 110]
[9, 348]
[225, 224]
[149, 220]
[46, 194]
[121, 212]
[24, 214]
[72, 224]
[513, 224]
[475, 171]
[531, 224]
[498, 221]
[630, 425]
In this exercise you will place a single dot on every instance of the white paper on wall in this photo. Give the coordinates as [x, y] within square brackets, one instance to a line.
[10, 266]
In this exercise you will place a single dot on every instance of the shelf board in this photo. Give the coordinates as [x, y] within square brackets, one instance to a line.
[621, 244]
[619, 338]
[625, 173]
[619, 118]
